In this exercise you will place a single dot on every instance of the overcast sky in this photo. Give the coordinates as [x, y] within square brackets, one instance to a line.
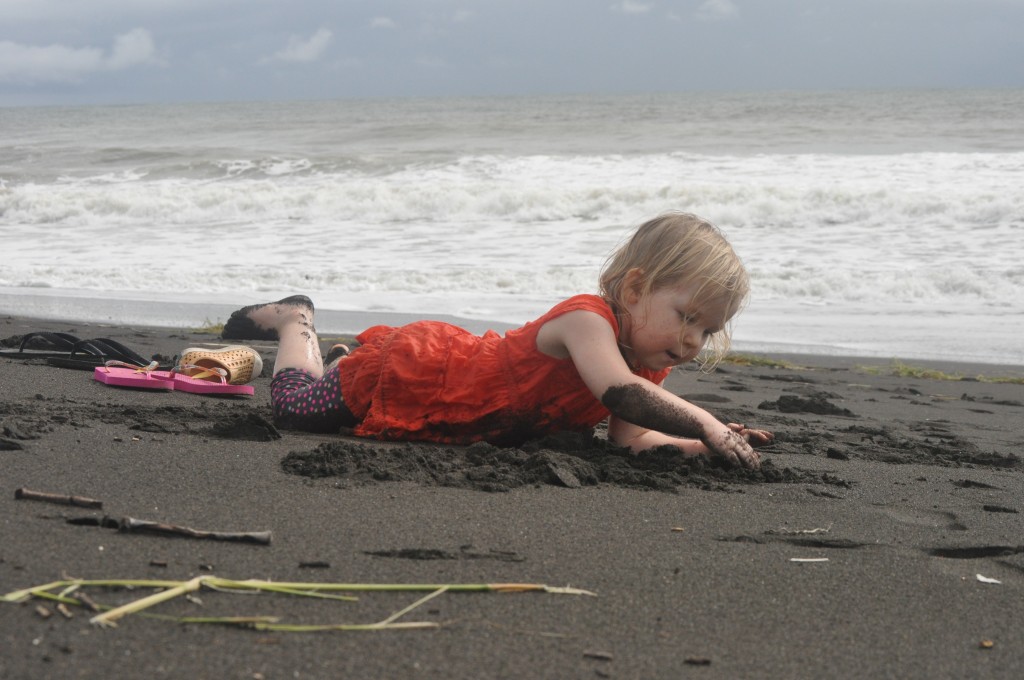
[121, 51]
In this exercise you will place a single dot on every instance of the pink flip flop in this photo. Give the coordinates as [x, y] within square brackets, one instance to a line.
[123, 376]
[203, 381]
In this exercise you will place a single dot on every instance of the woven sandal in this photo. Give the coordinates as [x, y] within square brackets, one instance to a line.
[240, 363]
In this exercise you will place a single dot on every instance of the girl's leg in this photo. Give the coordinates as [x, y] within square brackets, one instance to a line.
[290, 321]
[301, 402]
[302, 396]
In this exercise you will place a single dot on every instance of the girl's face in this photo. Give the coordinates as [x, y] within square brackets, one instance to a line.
[666, 328]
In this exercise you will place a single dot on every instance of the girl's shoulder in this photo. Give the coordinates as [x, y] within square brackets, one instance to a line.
[590, 303]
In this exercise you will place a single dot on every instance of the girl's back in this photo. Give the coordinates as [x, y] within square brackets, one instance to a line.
[437, 382]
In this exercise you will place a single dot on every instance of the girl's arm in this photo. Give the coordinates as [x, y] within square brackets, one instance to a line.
[640, 439]
[588, 340]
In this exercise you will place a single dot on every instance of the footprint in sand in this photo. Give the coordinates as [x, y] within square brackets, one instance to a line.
[924, 518]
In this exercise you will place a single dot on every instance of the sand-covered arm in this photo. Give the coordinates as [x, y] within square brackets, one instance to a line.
[640, 438]
[588, 340]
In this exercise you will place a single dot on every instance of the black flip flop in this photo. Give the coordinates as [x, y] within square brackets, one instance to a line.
[87, 354]
[61, 345]
[115, 350]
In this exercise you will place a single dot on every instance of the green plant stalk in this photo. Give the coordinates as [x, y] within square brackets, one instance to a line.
[223, 620]
[246, 621]
[22, 595]
[257, 584]
[287, 587]
[174, 589]
[110, 618]
[63, 599]
[387, 624]
[344, 627]
[402, 612]
[276, 588]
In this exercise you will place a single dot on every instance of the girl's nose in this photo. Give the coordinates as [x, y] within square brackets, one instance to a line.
[690, 345]
[693, 338]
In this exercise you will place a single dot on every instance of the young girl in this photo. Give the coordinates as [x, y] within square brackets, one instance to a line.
[665, 294]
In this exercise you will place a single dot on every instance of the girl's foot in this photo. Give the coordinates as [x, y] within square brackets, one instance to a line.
[261, 322]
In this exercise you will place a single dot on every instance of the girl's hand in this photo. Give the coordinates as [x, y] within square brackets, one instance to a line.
[725, 441]
[752, 436]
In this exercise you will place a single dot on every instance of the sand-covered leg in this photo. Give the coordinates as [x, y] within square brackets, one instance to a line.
[290, 321]
[260, 322]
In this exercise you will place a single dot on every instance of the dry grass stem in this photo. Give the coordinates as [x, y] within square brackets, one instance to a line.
[172, 589]
[110, 618]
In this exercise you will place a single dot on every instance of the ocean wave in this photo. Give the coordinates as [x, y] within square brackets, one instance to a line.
[503, 236]
[505, 287]
[902, 189]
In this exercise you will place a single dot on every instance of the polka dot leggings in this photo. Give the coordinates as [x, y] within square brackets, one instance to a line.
[301, 402]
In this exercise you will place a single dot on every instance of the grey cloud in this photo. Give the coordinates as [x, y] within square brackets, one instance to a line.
[62, 63]
[60, 51]
[304, 49]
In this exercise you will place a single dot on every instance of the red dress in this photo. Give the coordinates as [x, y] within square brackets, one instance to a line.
[432, 381]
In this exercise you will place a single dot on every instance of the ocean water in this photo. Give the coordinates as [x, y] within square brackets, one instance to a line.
[885, 223]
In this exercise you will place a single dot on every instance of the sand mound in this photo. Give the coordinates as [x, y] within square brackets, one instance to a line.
[569, 460]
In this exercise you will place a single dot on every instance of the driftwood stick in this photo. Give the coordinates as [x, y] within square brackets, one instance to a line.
[142, 525]
[78, 501]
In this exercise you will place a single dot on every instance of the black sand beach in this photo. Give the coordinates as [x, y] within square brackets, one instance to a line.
[882, 538]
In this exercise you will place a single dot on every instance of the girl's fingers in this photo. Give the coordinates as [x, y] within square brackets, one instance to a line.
[744, 454]
[752, 460]
[760, 436]
[747, 455]
[735, 447]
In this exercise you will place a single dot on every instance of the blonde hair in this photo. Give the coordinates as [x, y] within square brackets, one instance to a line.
[678, 248]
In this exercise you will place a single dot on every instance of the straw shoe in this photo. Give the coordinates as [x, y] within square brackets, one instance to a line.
[240, 363]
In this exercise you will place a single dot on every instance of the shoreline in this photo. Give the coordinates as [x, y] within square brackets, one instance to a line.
[882, 506]
[82, 307]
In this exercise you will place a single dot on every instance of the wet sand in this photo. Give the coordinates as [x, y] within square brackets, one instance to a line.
[855, 552]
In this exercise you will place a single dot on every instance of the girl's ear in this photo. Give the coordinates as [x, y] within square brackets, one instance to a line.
[631, 285]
